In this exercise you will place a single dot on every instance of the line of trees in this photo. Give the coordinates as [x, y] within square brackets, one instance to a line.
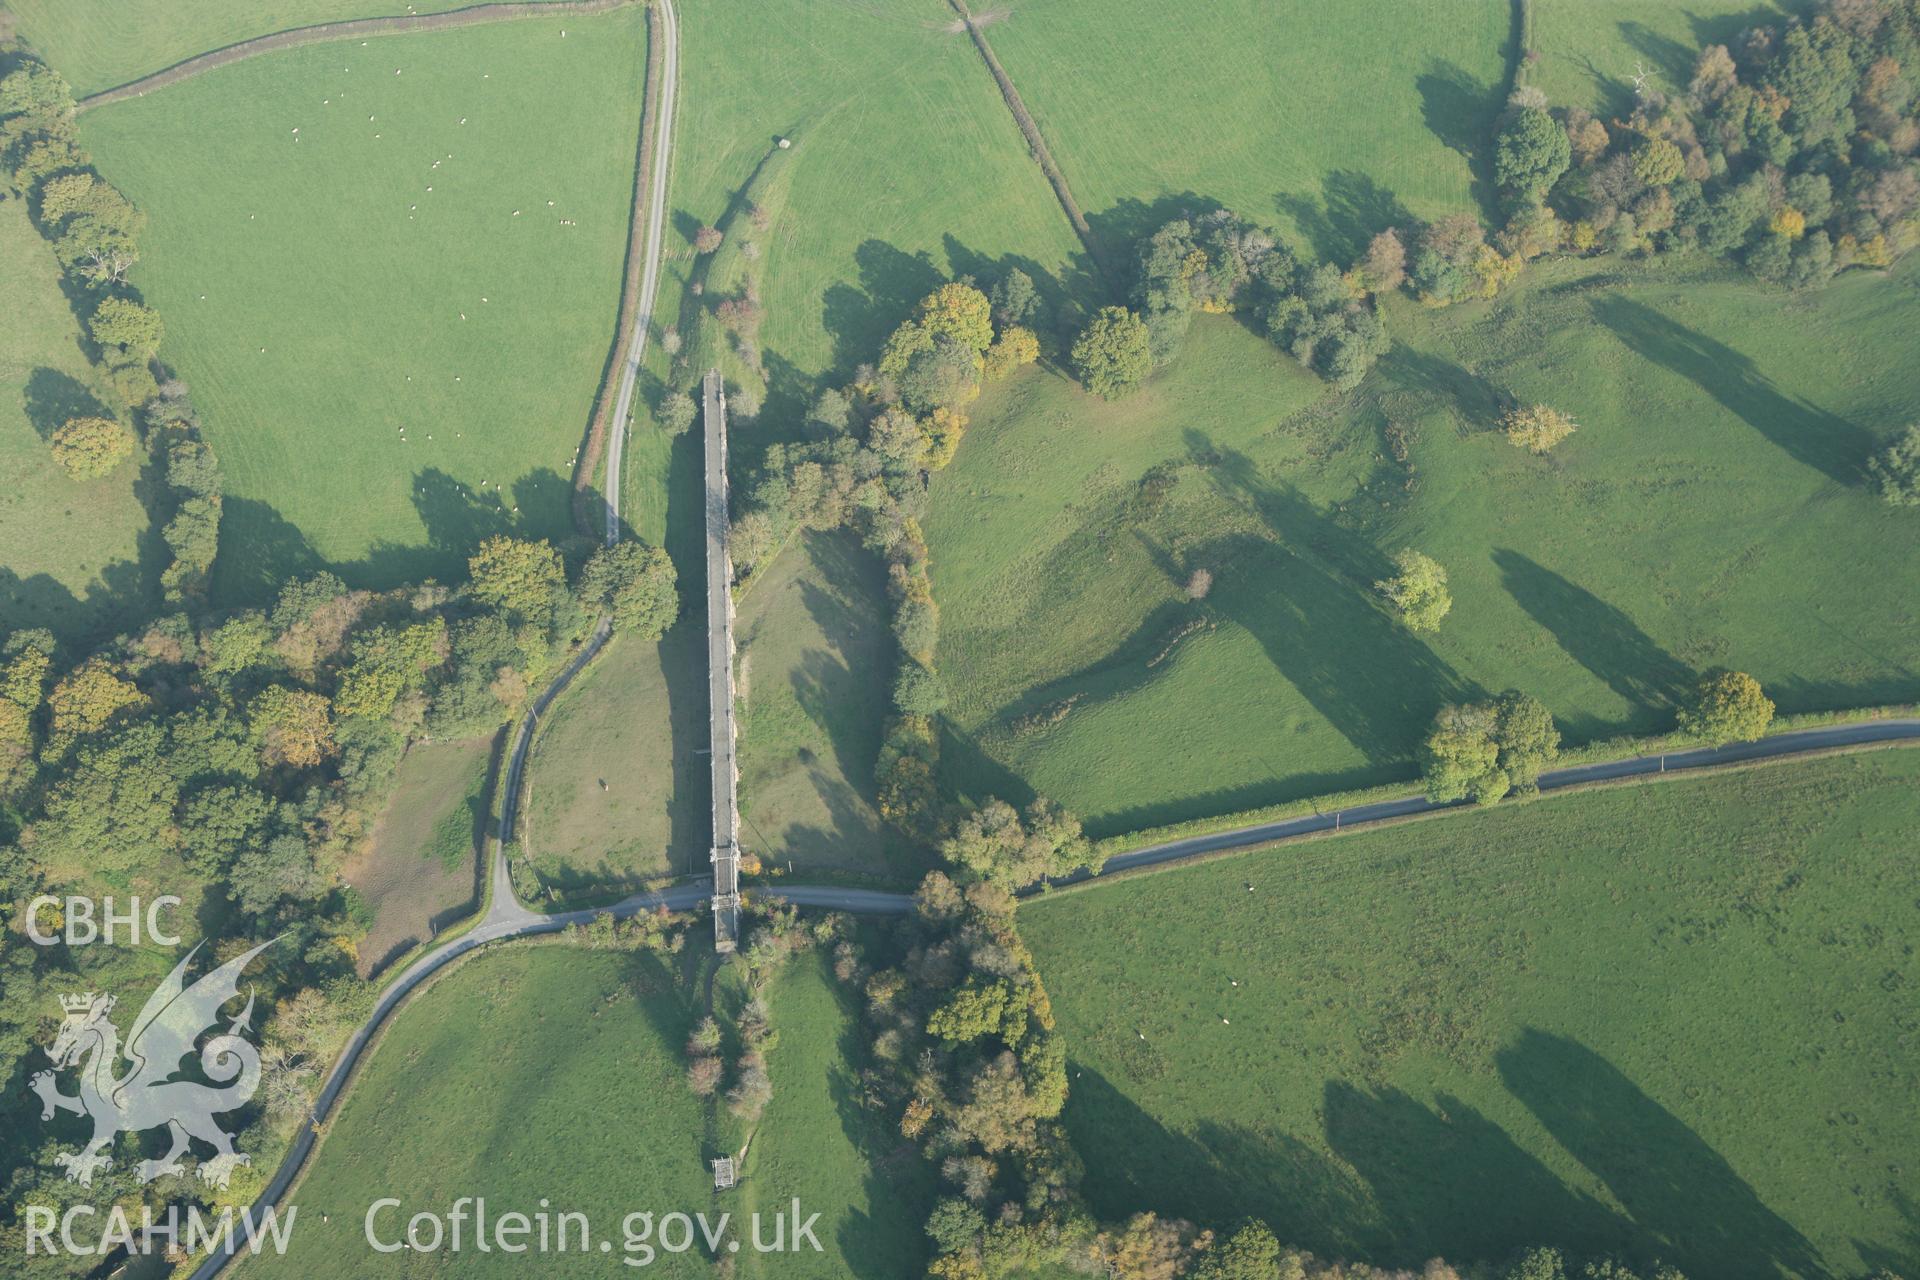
[864, 463]
[1219, 262]
[775, 935]
[94, 231]
[1485, 751]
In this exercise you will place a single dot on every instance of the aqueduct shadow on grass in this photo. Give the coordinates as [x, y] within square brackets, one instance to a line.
[1824, 441]
[1399, 1180]
[1684, 1200]
[1306, 597]
[1598, 636]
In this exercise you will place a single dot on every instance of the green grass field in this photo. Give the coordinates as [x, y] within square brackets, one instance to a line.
[1329, 120]
[326, 288]
[612, 802]
[74, 555]
[98, 44]
[417, 873]
[1590, 50]
[538, 1073]
[1669, 1019]
[814, 653]
[1709, 512]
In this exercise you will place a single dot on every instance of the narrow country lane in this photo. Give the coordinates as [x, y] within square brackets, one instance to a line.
[506, 917]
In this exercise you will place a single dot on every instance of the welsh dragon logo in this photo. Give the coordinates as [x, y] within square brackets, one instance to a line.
[147, 1096]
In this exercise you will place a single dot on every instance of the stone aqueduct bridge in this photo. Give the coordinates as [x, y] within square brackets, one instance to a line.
[726, 771]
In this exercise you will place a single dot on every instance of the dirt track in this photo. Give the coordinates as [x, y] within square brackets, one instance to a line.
[1029, 128]
[340, 31]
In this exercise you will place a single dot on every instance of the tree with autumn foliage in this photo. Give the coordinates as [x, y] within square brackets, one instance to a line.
[1726, 706]
[522, 578]
[1537, 428]
[293, 726]
[1112, 354]
[88, 448]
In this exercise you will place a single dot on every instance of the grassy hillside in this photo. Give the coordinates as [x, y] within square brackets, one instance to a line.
[1590, 50]
[1669, 1019]
[98, 44]
[815, 658]
[1332, 120]
[74, 555]
[327, 287]
[1708, 512]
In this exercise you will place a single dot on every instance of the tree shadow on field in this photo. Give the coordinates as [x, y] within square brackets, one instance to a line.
[848, 607]
[1121, 226]
[1824, 441]
[686, 226]
[890, 282]
[53, 398]
[1214, 1175]
[1685, 1201]
[1595, 634]
[1446, 1180]
[1725, 28]
[966, 770]
[1460, 111]
[120, 596]
[1351, 210]
[1672, 62]
[1305, 593]
[790, 392]
[1476, 403]
[260, 550]
[851, 836]
[1901, 1257]
[458, 518]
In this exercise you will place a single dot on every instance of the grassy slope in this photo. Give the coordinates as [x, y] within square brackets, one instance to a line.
[814, 662]
[619, 725]
[1671, 1019]
[1590, 49]
[249, 249]
[98, 44]
[419, 867]
[1047, 590]
[70, 551]
[1708, 513]
[536, 1073]
[815, 1142]
[1332, 120]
